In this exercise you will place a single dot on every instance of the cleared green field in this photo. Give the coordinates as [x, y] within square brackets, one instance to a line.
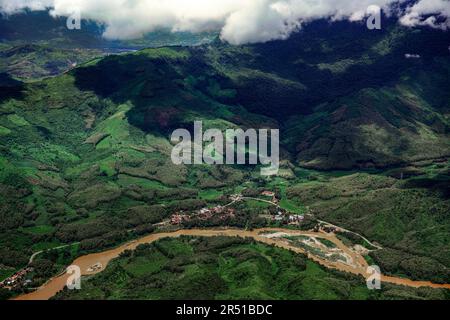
[210, 194]
[43, 229]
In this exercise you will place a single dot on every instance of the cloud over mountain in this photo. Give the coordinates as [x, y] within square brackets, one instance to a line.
[240, 21]
[434, 13]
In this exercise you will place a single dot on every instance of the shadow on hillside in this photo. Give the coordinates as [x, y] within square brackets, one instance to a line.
[154, 86]
[439, 184]
[9, 87]
[361, 59]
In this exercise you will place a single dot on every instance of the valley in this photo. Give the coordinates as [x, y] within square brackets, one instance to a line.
[283, 238]
[86, 173]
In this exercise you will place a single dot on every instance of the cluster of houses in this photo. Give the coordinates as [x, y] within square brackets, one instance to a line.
[291, 219]
[179, 218]
[296, 218]
[224, 212]
[326, 229]
[204, 214]
[16, 279]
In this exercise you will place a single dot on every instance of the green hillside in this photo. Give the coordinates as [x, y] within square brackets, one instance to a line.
[30, 61]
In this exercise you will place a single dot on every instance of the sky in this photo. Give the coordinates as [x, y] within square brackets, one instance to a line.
[239, 21]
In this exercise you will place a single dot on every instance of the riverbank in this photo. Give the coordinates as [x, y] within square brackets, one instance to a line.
[356, 263]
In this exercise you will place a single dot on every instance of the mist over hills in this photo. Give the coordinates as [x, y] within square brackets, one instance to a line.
[39, 27]
[239, 22]
[34, 44]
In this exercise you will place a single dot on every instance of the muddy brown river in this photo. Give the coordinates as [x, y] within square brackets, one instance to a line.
[359, 265]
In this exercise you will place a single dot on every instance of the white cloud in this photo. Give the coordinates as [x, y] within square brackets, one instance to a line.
[240, 21]
[14, 6]
[433, 13]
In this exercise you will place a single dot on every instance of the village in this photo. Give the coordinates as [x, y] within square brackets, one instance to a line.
[220, 212]
[18, 279]
[203, 214]
[225, 212]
